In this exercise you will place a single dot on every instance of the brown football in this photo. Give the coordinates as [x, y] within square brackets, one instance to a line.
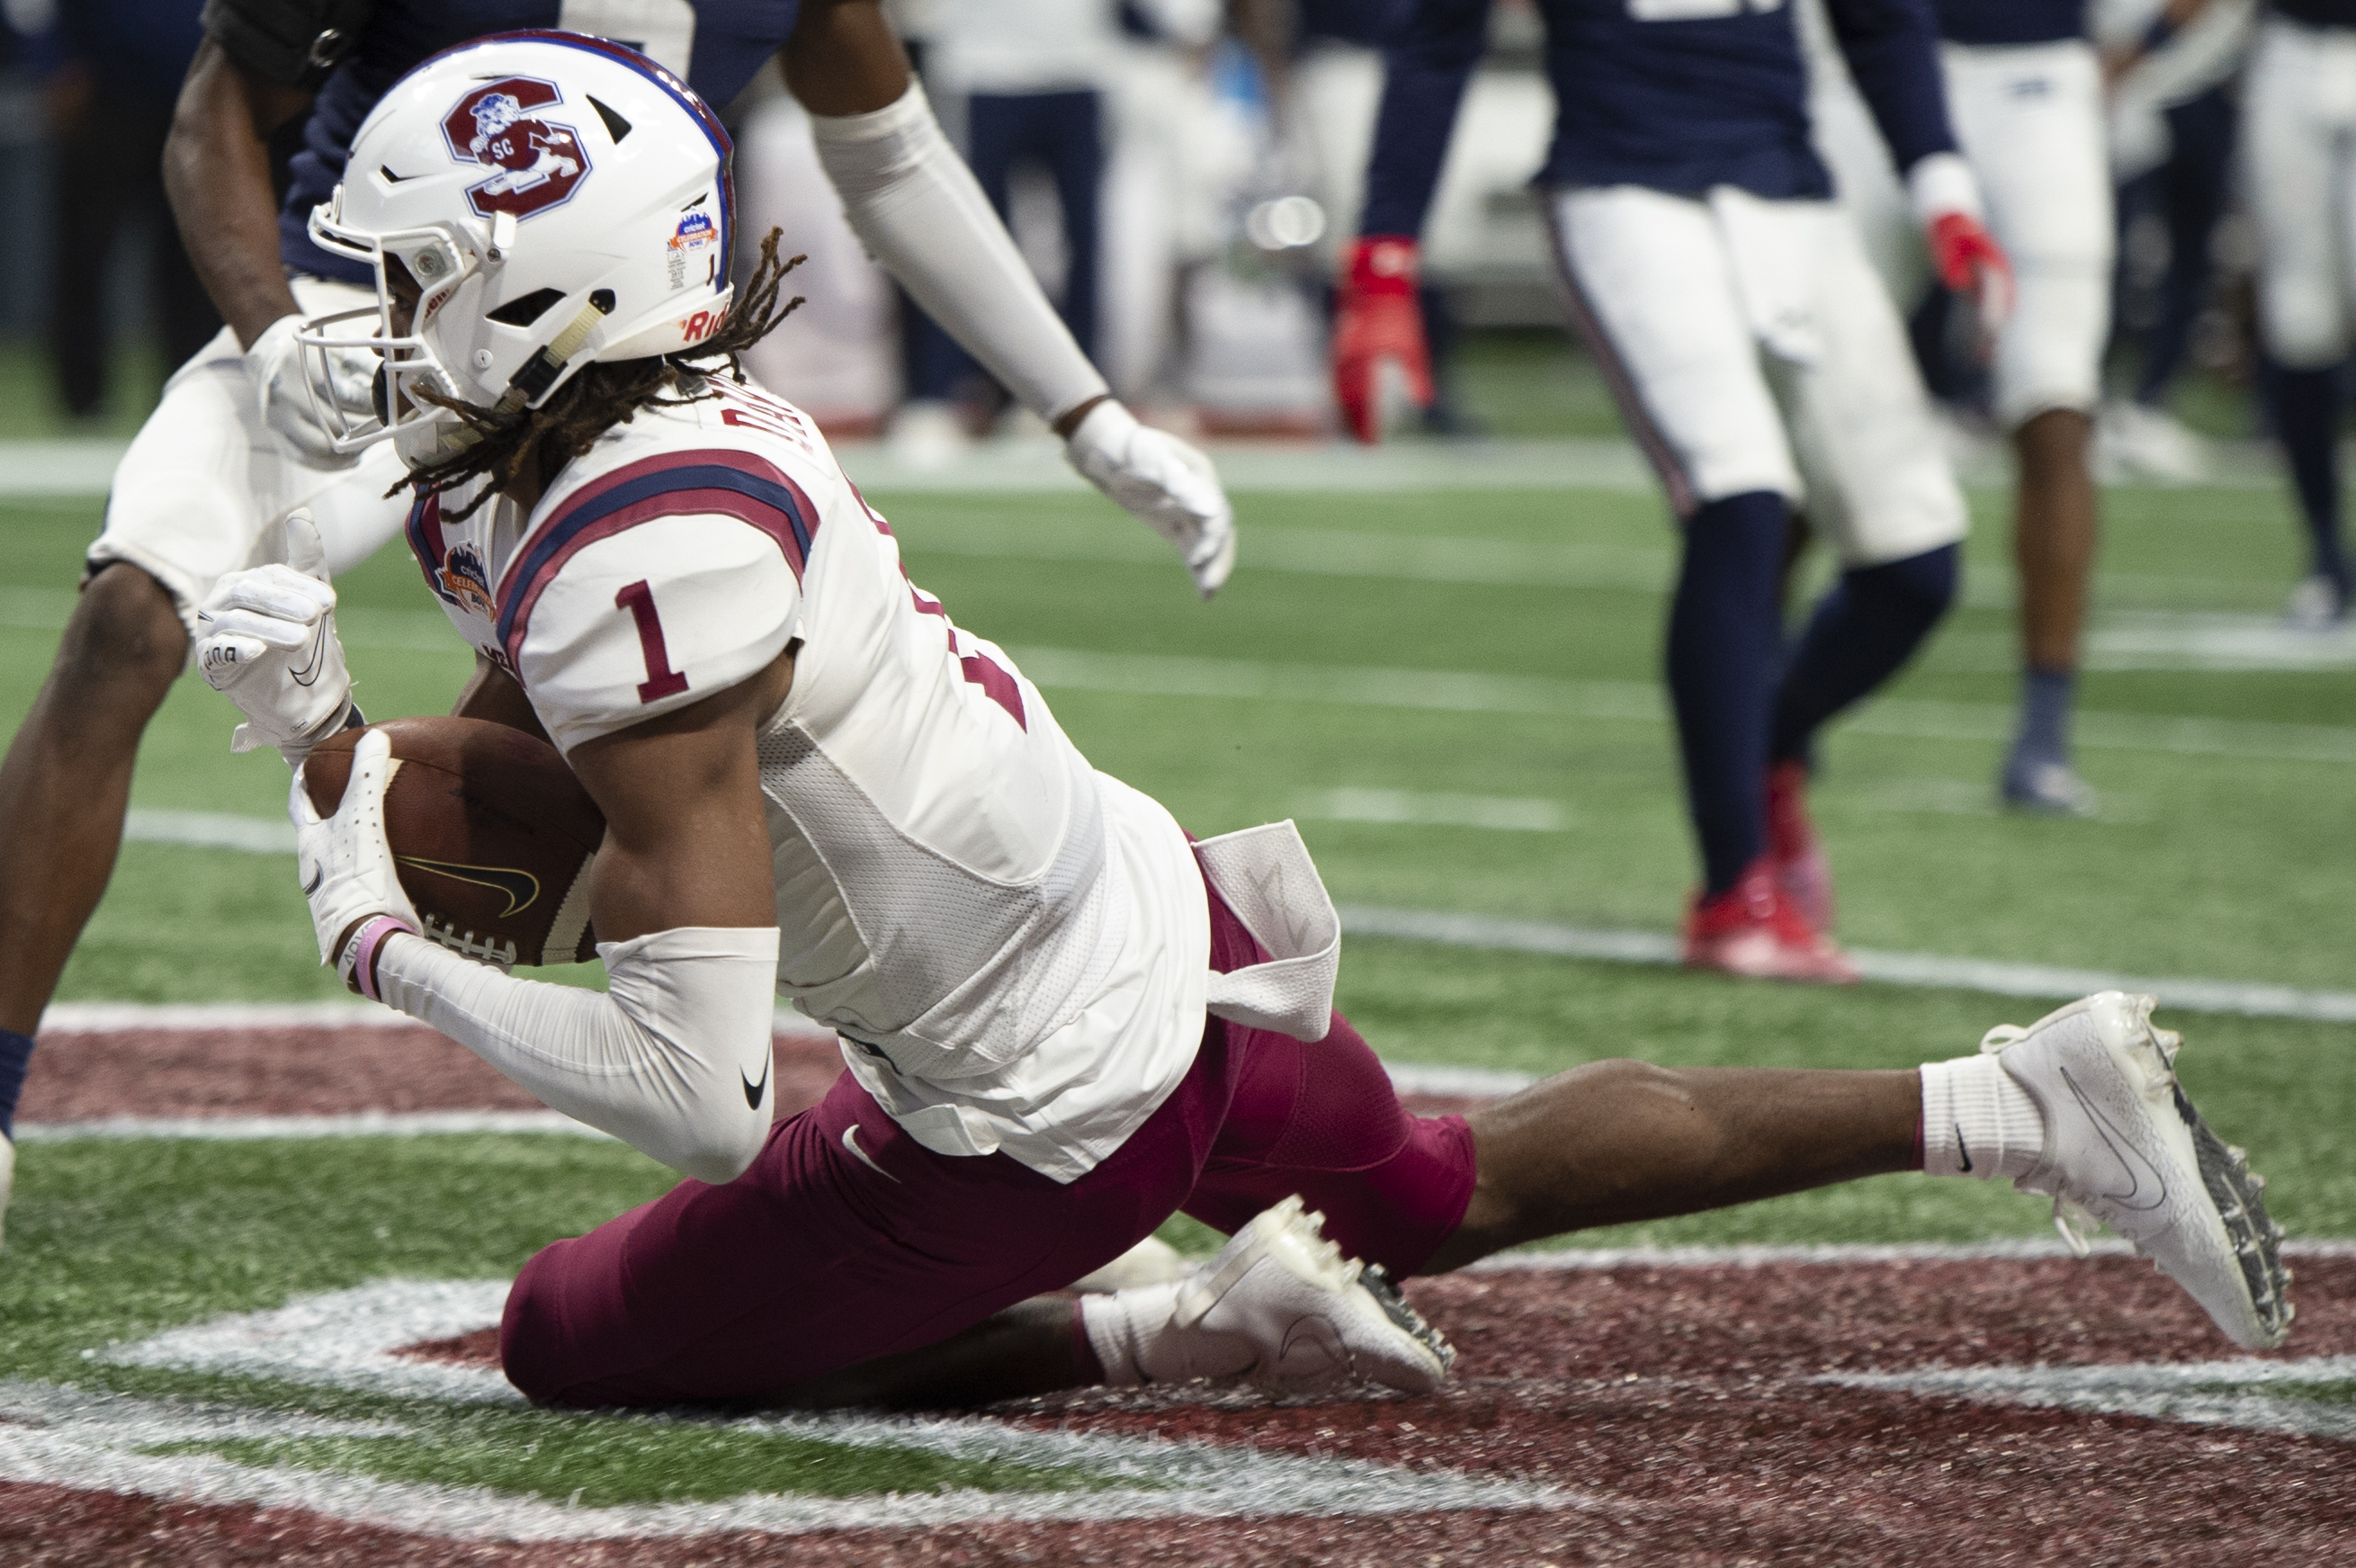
[493, 835]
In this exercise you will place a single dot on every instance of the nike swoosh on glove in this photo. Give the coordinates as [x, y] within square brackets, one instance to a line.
[266, 640]
[1168, 485]
[289, 399]
[346, 861]
[1378, 322]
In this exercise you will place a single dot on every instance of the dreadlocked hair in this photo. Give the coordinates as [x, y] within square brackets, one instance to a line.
[503, 445]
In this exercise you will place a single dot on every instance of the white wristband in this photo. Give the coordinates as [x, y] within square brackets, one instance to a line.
[914, 203]
[1943, 183]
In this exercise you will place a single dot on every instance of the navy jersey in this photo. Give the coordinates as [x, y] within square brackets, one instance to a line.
[2318, 13]
[716, 45]
[2010, 21]
[1675, 95]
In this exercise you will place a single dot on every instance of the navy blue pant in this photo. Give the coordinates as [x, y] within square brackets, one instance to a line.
[1062, 133]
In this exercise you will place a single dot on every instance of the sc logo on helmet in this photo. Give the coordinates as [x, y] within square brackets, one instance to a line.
[540, 164]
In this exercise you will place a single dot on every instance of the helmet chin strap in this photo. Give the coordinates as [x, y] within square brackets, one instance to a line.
[540, 372]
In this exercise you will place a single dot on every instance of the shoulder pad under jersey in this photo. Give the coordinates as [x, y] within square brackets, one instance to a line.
[295, 43]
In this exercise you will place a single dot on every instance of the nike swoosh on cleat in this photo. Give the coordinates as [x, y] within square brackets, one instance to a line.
[754, 1091]
[2132, 1160]
[851, 1142]
[1961, 1148]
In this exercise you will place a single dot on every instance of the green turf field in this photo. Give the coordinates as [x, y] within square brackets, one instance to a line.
[1482, 658]
[1349, 669]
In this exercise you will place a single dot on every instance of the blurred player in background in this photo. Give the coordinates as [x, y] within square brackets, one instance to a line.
[1742, 333]
[239, 442]
[2300, 102]
[2026, 89]
[2174, 70]
[1061, 1021]
[116, 70]
[1023, 82]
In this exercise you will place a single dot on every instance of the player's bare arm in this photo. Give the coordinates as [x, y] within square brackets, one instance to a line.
[686, 839]
[217, 173]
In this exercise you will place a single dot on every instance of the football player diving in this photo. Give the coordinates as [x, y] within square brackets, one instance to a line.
[237, 444]
[1062, 1020]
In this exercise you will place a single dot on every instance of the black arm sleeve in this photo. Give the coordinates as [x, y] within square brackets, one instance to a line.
[295, 43]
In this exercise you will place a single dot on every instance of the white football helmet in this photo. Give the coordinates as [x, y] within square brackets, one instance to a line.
[557, 199]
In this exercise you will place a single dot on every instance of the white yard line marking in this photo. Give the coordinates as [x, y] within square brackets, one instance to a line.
[211, 830]
[1498, 812]
[128, 1017]
[359, 1125]
[1472, 691]
[1845, 1253]
[2001, 978]
[344, 1340]
[2186, 1392]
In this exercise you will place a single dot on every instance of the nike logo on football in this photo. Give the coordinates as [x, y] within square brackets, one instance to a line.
[2146, 1188]
[851, 1142]
[1962, 1150]
[520, 886]
[754, 1091]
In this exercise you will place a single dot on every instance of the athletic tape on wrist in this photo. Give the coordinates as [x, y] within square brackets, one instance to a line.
[359, 967]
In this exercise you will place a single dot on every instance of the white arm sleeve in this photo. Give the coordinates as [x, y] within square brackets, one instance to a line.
[914, 203]
[673, 1059]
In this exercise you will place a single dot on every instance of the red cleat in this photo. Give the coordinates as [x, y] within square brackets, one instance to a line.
[1797, 857]
[1753, 930]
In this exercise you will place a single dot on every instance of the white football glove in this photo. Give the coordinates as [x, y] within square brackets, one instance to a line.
[266, 640]
[274, 364]
[1170, 485]
[346, 861]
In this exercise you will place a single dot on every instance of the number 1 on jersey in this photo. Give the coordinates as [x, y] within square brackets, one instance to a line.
[661, 680]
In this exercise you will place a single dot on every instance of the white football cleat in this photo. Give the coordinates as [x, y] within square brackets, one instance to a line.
[1312, 1318]
[2123, 1146]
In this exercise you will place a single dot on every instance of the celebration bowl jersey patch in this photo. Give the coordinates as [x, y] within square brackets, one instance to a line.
[537, 162]
[464, 583]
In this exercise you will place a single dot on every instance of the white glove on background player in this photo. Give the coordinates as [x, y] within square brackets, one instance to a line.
[274, 364]
[266, 640]
[346, 861]
[1170, 485]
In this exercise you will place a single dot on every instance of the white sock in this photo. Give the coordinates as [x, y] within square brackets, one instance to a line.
[1123, 1325]
[1136, 1340]
[1977, 1122]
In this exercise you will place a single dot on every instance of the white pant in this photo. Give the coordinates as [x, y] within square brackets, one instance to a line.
[2300, 100]
[206, 483]
[2030, 120]
[1751, 348]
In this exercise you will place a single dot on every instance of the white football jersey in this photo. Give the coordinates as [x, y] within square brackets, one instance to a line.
[1013, 947]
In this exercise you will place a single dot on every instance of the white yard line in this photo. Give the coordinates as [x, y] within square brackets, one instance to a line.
[1847, 1254]
[344, 1340]
[359, 1124]
[2000, 977]
[2178, 1392]
[1641, 702]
